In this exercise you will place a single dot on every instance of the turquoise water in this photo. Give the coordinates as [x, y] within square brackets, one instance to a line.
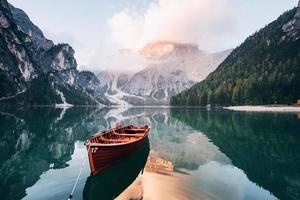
[216, 154]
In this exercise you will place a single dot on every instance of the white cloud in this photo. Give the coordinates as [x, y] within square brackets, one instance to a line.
[187, 21]
[125, 28]
[122, 60]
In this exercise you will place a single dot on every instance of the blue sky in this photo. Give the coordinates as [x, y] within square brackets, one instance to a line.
[97, 28]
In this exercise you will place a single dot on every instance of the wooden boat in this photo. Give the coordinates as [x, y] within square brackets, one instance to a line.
[112, 181]
[108, 147]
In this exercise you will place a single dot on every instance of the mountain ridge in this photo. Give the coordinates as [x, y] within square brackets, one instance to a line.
[168, 68]
[36, 71]
[47, 73]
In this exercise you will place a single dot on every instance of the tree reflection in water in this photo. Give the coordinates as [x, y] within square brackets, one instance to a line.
[266, 146]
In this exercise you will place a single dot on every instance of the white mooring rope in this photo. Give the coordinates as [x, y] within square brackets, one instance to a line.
[79, 174]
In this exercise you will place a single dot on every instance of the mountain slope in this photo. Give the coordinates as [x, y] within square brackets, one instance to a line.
[23, 22]
[17, 65]
[168, 68]
[33, 70]
[264, 69]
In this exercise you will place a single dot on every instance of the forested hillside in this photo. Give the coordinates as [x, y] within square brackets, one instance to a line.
[264, 69]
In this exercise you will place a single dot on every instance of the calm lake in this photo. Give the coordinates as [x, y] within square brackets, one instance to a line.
[192, 154]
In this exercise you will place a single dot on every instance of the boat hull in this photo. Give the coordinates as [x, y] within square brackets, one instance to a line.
[104, 156]
[111, 182]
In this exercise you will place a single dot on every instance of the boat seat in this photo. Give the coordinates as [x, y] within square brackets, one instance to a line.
[128, 135]
[101, 138]
[135, 130]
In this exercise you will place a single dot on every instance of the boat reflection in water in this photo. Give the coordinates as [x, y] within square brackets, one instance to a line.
[111, 182]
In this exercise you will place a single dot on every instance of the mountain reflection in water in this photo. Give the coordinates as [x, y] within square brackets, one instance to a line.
[195, 154]
[33, 141]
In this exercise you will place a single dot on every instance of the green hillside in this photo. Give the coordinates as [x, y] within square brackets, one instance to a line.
[264, 69]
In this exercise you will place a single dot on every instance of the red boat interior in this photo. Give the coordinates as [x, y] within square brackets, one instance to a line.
[120, 135]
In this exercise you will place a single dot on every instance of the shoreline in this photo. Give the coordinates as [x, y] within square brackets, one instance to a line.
[264, 108]
[248, 108]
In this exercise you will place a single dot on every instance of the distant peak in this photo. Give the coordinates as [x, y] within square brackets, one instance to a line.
[161, 48]
[162, 44]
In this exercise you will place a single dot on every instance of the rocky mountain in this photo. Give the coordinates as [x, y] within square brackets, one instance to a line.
[264, 69]
[36, 35]
[91, 85]
[168, 69]
[33, 70]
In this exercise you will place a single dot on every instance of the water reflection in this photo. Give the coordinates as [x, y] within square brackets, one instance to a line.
[158, 165]
[219, 181]
[264, 145]
[32, 142]
[173, 140]
[195, 154]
